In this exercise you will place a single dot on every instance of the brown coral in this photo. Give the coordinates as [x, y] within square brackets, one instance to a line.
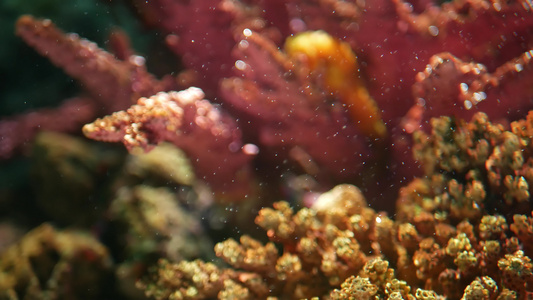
[340, 249]
[471, 167]
[516, 272]
[52, 264]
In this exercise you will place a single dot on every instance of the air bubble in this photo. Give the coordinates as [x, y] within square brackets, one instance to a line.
[479, 96]
[464, 87]
[433, 30]
[240, 65]
[250, 149]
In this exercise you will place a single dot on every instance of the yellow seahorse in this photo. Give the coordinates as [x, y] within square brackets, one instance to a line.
[337, 60]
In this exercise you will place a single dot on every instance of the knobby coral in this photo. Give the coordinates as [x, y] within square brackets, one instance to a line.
[341, 249]
[451, 238]
[472, 167]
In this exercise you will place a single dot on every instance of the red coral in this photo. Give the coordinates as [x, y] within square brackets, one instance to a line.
[396, 39]
[289, 119]
[450, 86]
[200, 32]
[210, 137]
[231, 47]
[114, 83]
[17, 133]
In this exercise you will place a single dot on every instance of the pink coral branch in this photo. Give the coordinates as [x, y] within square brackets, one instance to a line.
[199, 31]
[450, 86]
[211, 138]
[290, 115]
[202, 32]
[116, 84]
[113, 84]
[396, 39]
[17, 133]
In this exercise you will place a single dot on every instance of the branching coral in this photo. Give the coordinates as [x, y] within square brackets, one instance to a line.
[340, 249]
[295, 119]
[392, 60]
[312, 113]
[471, 168]
[315, 251]
[112, 84]
[211, 138]
[523, 228]
[440, 245]
[450, 86]
[458, 232]
[201, 33]
[18, 132]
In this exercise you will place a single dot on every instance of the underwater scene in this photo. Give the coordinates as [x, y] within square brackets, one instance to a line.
[266, 149]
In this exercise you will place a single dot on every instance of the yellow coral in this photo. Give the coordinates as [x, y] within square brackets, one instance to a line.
[336, 59]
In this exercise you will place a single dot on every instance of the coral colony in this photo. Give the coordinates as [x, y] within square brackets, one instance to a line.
[344, 109]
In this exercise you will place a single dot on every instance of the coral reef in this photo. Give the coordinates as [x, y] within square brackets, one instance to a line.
[112, 84]
[450, 238]
[144, 207]
[294, 119]
[450, 82]
[296, 100]
[396, 50]
[149, 224]
[324, 115]
[18, 132]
